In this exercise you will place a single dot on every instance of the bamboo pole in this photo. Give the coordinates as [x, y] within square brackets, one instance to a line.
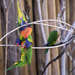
[1, 49]
[64, 57]
[23, 70]
[57, 4]
[42, 28]
[33, 64]
[40, 57]
[12, 51]
[6, 18]
[54, 52]
[67, 11]
[45, 16]
[69, 63]
[72, 19]
[28, 9]
[6, 42]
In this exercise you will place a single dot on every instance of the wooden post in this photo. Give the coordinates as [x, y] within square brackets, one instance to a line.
[39, 40]
[44, 6]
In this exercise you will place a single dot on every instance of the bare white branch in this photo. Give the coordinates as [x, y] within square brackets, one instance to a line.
[37, 22]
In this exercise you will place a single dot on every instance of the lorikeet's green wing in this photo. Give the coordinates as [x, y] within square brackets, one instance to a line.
[30, 38]
[23, 56]
[16, 64]
[28, 55]
[19, 63]
[53, 36]
[12, 67]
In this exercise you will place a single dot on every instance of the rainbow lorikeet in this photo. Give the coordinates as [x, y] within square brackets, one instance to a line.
[53, 36]
[25, 39]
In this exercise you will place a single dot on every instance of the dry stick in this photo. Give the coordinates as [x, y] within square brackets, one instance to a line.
[63, 59]
[42, 28]
[72, 70]
[6, 41]
[37, 22]
[60, 44]
[53, 60]
[67, 37]
[41, 24]
[6, 14]
[55, 46]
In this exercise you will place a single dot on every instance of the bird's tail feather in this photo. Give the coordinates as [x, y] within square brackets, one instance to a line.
[12, 67]
[46, 51]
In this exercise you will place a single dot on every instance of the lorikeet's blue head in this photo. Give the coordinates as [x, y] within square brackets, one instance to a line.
[18, 41]
[22, 28]
[22, 23]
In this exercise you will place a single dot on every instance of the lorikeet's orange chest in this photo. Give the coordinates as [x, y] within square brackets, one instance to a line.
[26, 32]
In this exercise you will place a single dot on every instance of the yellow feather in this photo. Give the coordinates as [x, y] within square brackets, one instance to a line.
[20, 14]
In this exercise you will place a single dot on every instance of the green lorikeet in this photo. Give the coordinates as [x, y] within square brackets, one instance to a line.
[53, 36]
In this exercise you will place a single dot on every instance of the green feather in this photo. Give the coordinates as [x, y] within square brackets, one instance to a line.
[19, 63]
[53, 36]
[28, 55]
[12, 67]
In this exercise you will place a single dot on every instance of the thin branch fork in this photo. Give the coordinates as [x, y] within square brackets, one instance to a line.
[53, 60]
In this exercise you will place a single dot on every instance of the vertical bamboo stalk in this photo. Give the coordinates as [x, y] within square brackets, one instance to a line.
[33, 63]
[1, 49]
[55, 70]
[40, 57]
[68, 63]
[6, 15]
[67, 11]
[72, 19]
[6, 41]
[42, 28]
[44, 6]
[12, 51]
[57, 4]
[64, 57]
[23, 70]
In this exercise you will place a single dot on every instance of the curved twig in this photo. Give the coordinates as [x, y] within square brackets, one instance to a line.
[37, 22]
[53, 60]
[60, 44]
